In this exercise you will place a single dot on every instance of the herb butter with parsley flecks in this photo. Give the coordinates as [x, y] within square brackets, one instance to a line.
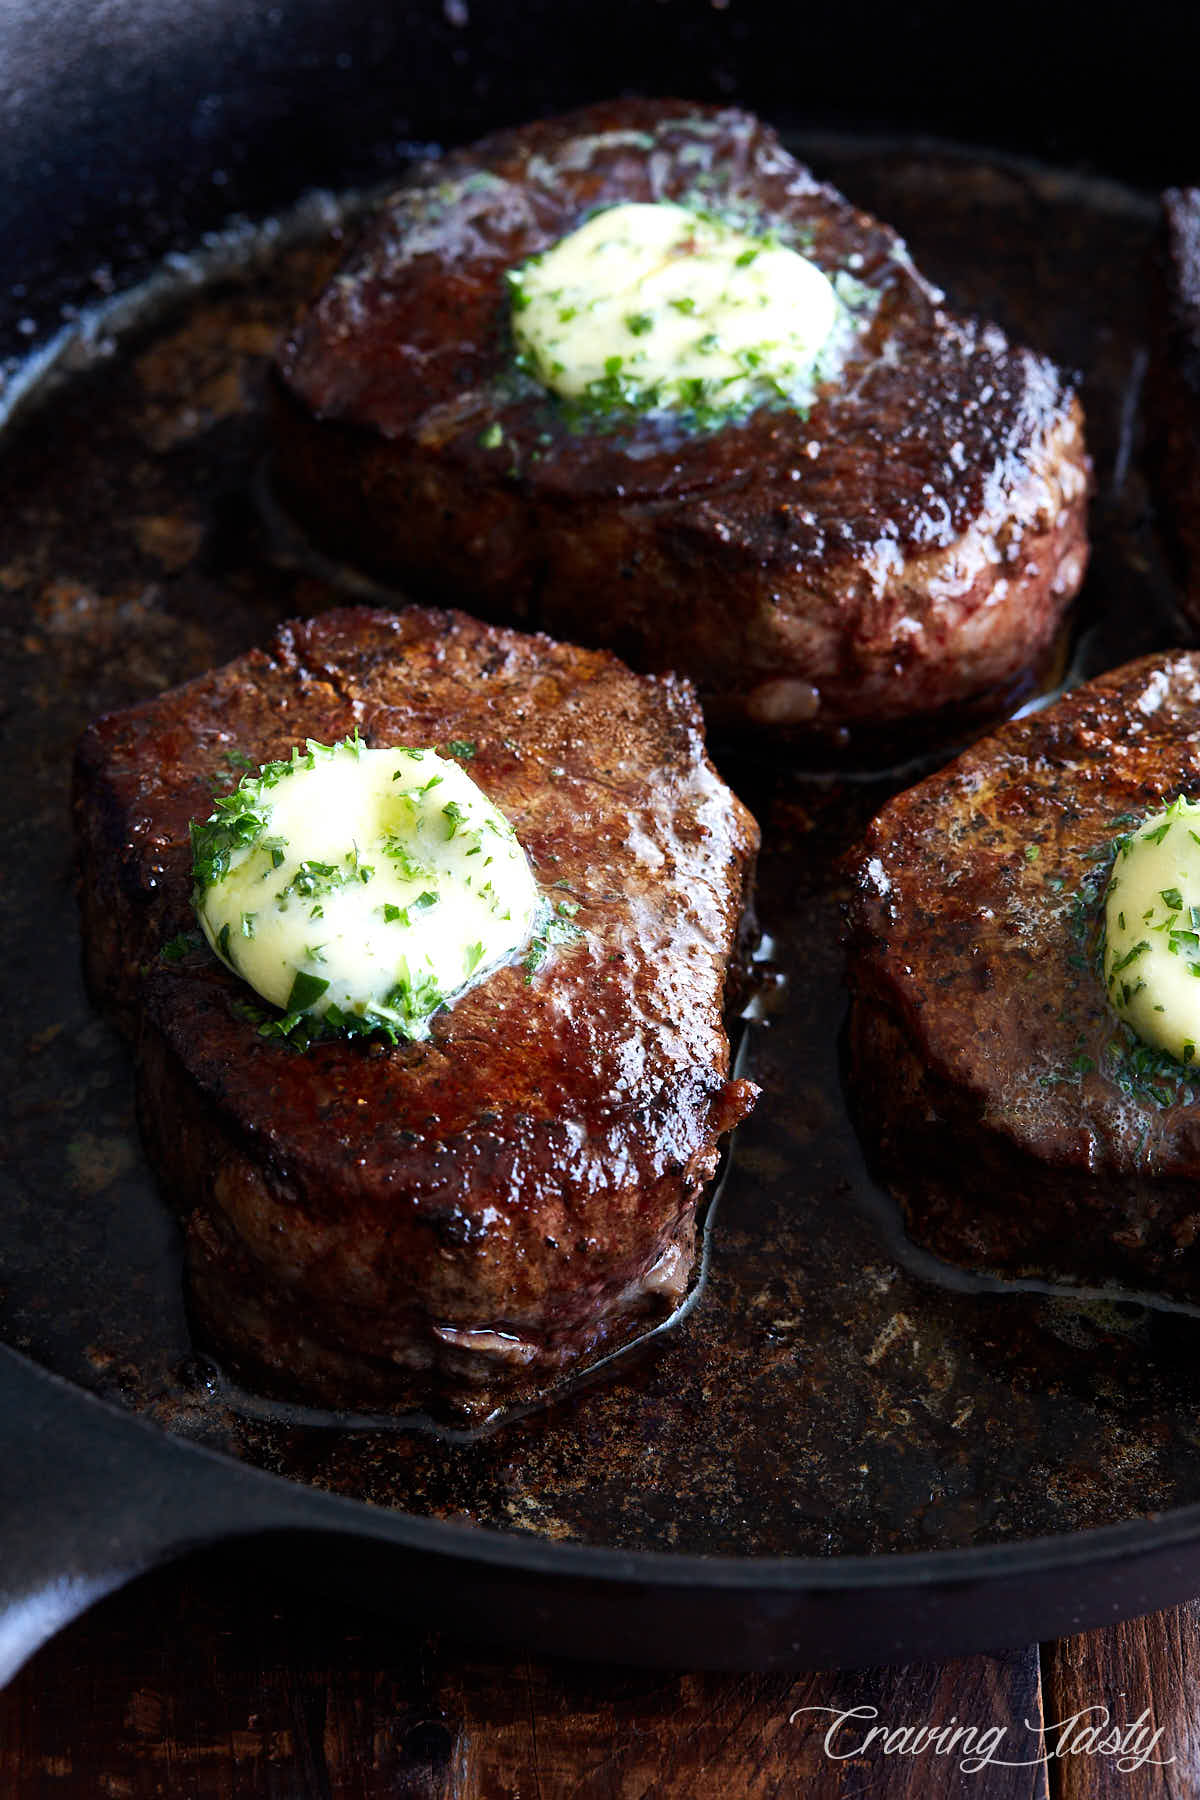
[656, 306]
[361, 887]
[1152, 930]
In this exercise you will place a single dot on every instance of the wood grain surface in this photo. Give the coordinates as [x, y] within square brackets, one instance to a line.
[1106, 1680]
[210, 1681]
[206, 1683]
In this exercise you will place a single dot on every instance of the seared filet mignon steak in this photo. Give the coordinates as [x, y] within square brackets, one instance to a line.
[1022, 1127]
[465, 1217]
[905, 546]
[1175, 385]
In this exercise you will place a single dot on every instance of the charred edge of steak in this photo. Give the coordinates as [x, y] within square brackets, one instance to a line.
[908, 549]
[1173, 398]
[485, 1223]
[989, 1076]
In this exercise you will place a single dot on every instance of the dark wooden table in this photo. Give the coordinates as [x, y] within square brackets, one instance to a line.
[203, 1682]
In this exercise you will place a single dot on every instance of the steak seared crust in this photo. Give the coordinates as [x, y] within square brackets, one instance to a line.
[466, 1217]
[908, 546]
[1175, 385]
[992, 1081]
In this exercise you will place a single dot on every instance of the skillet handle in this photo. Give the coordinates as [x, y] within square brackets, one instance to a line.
[91, 1496]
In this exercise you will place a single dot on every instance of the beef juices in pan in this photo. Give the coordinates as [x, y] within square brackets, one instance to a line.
[246, 637]
[470, 347]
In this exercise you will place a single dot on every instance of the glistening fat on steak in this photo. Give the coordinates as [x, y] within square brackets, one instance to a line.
[906, 545]
[465, 1217]
[1019, 1122]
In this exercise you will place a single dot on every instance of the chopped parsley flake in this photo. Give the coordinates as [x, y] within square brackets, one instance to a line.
[549, 929]
[1123, 962]
[306, 990]
[181, 945]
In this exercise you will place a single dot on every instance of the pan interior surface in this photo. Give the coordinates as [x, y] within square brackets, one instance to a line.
[833, 1392]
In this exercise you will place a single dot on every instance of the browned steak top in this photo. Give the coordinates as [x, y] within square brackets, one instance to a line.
[411, 340]
[974, 919]
[609, 1060]
[906, 545]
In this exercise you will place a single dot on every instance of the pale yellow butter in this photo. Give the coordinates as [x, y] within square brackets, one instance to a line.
[386, 875]
[656, 306]
[1152, 930]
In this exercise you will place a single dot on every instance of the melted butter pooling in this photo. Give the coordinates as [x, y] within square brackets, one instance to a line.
[655, 306]
[1152, 930]
[362, 886]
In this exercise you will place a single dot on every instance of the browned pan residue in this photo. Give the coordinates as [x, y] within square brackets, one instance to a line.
[823, 1396]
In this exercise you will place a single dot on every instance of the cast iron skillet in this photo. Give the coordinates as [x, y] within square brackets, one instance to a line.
[126, 132]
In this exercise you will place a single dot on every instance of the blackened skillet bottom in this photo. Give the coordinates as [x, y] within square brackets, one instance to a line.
[832, 1392]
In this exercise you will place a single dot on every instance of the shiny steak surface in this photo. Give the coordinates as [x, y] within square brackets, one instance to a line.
[905, 547]
[132, 560]
[457, 1220]
[1021, 1125]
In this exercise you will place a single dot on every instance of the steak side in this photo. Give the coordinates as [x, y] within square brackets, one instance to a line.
[458, 1220]
[1015, 1119]
[906, 547]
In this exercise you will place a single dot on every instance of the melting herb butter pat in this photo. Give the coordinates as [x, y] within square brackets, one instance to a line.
[655, 306]
[1152, 930]
[364, 887]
